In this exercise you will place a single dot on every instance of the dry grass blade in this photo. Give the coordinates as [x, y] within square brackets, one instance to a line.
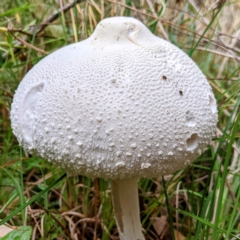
[37, 29]
[28, 45]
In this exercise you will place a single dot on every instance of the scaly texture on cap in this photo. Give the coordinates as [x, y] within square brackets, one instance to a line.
[122, 103]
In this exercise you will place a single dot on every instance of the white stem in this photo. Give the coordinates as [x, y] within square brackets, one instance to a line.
[126, 207]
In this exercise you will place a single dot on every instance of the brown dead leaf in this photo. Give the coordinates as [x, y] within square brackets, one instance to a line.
[160, 224]
[178, 235]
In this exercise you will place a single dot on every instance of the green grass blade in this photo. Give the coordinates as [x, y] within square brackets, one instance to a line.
[168, 209]
[206, 29]
[225, 172]
[205, 222]
[32, 200]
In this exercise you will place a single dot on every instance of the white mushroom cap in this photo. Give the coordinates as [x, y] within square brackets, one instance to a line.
[122, 103]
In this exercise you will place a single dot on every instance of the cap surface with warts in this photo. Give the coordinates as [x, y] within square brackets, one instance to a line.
[122, 103]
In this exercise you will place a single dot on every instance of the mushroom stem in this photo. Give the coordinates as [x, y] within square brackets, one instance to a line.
[126, 208]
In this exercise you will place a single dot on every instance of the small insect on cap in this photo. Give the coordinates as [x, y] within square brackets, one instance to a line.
[122, 103]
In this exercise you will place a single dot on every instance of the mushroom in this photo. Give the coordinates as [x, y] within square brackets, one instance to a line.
[121, 105]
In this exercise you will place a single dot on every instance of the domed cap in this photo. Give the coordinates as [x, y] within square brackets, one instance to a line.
[122, 103]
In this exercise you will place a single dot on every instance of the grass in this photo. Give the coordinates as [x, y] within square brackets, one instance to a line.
[199, 202]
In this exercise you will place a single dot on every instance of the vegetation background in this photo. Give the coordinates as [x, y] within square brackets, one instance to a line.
[201, 201]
